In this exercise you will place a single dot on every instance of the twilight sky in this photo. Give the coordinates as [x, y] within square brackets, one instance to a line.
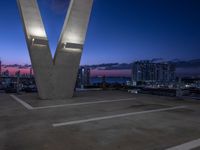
[119, 30]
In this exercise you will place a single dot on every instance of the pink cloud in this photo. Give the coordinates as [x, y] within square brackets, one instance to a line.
[13, 70]
[94, 72]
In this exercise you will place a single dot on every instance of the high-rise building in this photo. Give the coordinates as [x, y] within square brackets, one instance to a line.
[31, 72]
[17, 73]
[83, 78]
[0, 68]
[148, 71]
[6, 73]
[0, 73]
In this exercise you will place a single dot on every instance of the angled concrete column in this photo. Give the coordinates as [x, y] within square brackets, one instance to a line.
[55, 78]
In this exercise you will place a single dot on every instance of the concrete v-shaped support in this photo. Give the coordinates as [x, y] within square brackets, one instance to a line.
[56, 78]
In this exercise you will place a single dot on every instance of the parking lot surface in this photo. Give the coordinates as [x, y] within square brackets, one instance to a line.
[96, 120]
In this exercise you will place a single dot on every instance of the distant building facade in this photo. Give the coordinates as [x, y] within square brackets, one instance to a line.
[83, 78]
[31, 72]
[0, 68]
[155, 72]
[6, 73]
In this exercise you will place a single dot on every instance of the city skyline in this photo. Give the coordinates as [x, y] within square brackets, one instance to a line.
[130, 31]
[99, 74]
[189, 68]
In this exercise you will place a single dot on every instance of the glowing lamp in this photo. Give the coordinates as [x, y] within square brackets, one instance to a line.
[74, 45]
[39, 41]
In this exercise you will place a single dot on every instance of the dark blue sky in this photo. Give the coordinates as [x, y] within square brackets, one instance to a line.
[119, 30]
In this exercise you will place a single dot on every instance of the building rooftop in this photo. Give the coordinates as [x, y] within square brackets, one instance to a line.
[96, 120]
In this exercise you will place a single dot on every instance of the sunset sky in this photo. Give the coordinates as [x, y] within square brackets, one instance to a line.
[119, 31]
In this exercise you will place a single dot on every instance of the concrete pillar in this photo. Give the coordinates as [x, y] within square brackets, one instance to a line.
[56, 78]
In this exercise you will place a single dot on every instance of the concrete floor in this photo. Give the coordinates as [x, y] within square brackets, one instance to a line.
[32, 129]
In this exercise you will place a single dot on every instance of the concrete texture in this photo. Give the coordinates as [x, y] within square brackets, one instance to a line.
[23, 129]
[55, 78]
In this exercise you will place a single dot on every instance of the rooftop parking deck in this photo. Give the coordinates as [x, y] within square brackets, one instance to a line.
[96, 120]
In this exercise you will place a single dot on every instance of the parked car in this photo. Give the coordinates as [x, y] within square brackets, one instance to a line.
[11, 88]
[30, 89]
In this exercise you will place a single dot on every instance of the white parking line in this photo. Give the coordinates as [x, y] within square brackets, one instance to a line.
[85, 103]
[27, 106]
[114, 116]
[187, 146]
